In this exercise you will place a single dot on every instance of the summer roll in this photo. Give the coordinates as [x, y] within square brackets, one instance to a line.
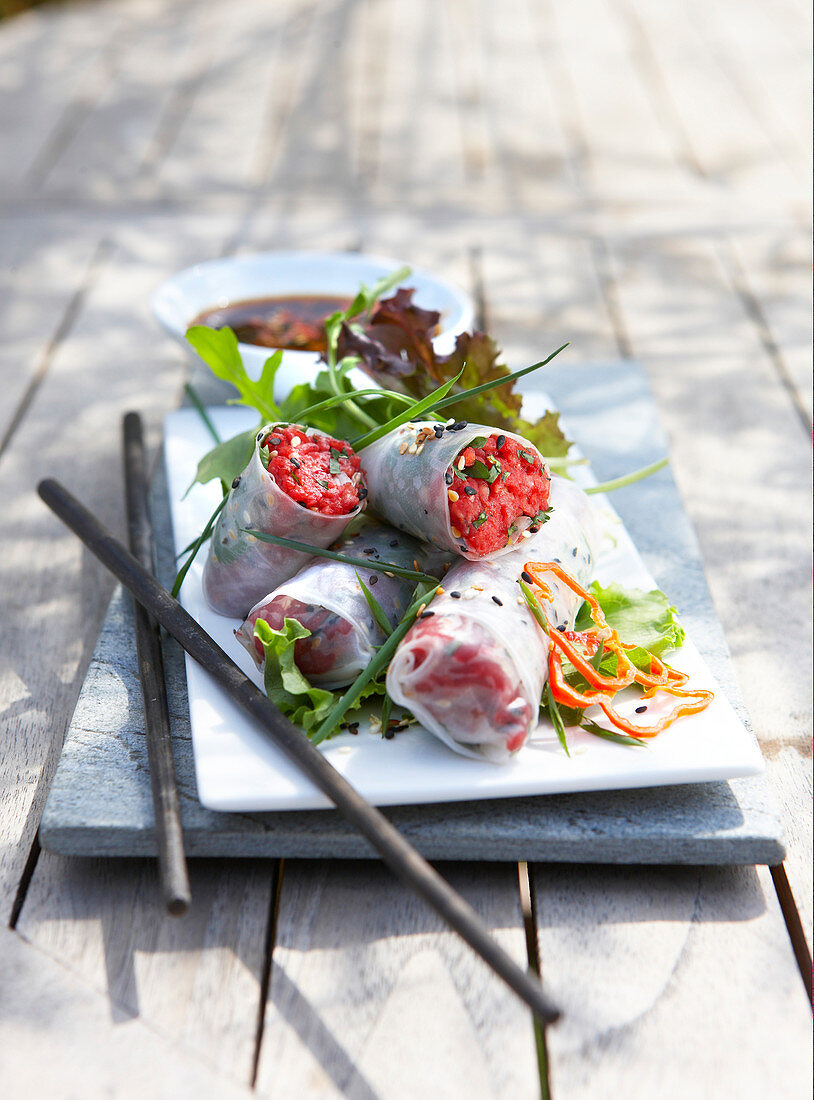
[299, 484]
[465, 488]
[472, 670]
[327, 599]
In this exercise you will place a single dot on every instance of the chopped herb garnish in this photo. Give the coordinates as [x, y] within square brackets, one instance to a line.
[478, 469]
[324, 484]
[479, 522]
[527, 456]
[478, 441]
[333, 462]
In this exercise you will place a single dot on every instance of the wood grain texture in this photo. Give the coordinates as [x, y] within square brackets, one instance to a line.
[196, 981]
[55, 597]
[674, 982]
[371, 996]
[92, 1052]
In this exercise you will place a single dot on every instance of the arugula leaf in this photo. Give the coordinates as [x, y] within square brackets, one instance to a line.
[227, 460]
[218, 348]
[290, 691]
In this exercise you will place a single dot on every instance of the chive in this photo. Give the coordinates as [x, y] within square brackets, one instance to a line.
[381, 660]
[527, 456]
[317, 551]
[333, 462]
[556, 719]
[376, 609]
[195, 547]
[387, 710]
[479, 522]
[502, 381]
[609, 735]
[629, 479]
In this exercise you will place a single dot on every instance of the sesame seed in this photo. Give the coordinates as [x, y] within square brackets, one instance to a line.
[439, 590]
[439, 430]
[235, 483]
[295, 441]
[448, 477]
[527, 577]
[520, 600]
[469, 594]
[416, 565]
[500, 441]
[459, 425]
[373, 579]
[295, 464]
[535, 527]
[561, 628]
[272, 454]
[455, 595]
[393, 542]
[450, 422]
[470, 492]
[403, 447]
[389, 734]
[426, 614]
[387, 573]
[498, 601]
[274, 441]
[456, 534]
[362, 493]
[421, 608]
[574, 552]
[453, 496]
[526, 535]
[641, 710]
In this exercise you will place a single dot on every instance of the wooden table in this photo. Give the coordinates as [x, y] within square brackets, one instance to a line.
[632, 177]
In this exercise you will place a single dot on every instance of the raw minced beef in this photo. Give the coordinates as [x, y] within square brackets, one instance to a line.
[301, 466]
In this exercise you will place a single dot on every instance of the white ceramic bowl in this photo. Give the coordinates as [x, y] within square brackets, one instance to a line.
[182, 298]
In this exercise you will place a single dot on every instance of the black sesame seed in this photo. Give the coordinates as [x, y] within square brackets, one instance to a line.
[535, 527]
[470, 492]
[641, 710]
[362, 493]
[455, 595]
[274, 441]
[295, 463]
[574, 552]
[302, 504]
[497, 601]
[373, 580]
[561, 629]
[426, 513]
[426, 614]
[393, 542]
[235, 483]
[389, 734]
[500, 441]
[448, 478]
[439, 430]
[527, 577]
[458, 426]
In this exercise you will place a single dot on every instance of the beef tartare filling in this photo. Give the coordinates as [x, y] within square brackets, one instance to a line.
[496, 488]
[314, 656]
[321, 473]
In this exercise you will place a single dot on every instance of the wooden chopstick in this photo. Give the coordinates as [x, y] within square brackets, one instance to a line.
[169, 835]
[397, 852]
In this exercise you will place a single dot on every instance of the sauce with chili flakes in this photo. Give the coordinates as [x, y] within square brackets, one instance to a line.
[301, 466]
[295, 322]
[486, 516]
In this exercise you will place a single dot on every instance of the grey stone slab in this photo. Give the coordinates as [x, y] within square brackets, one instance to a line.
[99, 803]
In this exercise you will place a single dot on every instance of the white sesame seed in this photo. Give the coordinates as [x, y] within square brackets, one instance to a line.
[456, 534]
[421, 607]
[295, 441]
[453, 496]
[469, 593]
[450, 421]
[411, 450]
[520, 600]
[387, 573]
[403, 447]
[526, 535]
[461, 462]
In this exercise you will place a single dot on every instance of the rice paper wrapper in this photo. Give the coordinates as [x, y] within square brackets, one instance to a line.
[325, 597]
[240, 568]
[487, 710]
[409, 490]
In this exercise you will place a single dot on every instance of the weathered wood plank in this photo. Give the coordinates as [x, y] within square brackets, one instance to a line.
[195, 981]
[741, 459]
[673, 982]
[371, 995]
[55, 596]
[61, 1038]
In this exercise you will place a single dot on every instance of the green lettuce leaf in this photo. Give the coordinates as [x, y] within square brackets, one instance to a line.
[227, 459]
[218, 348]
[646, 618]
[290, 691]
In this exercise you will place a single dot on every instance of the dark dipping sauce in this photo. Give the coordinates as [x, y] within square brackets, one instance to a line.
[294, 322]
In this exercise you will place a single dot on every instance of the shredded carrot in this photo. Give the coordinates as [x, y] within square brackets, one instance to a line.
[603, 688]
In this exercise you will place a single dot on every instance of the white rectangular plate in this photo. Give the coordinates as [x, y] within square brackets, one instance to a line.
[238, 769]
